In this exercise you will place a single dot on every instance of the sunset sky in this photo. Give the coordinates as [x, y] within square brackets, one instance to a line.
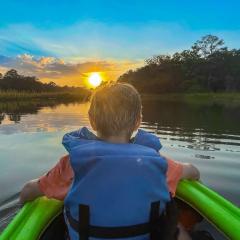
[63, 41]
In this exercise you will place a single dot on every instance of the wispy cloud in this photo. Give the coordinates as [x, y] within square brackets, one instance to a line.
[96, 40]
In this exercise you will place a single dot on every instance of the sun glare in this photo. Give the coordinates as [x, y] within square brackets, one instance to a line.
[95, 79]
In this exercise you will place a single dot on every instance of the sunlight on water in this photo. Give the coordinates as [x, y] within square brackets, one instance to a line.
[48, 119]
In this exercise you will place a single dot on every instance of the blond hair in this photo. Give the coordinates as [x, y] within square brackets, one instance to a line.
[115, 109]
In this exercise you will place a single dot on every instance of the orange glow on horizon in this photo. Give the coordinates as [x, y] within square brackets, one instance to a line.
[80, 78]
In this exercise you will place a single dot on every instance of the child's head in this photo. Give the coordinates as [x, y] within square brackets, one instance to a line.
[115, 110]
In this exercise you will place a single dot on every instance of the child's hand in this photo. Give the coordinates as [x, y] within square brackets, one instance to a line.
[30, 191]
[190, 172]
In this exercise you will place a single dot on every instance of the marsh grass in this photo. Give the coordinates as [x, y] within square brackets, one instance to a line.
[226, 99]
[21, 95]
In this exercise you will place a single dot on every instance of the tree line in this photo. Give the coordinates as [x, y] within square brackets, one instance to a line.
[12, 80]
[208, 66]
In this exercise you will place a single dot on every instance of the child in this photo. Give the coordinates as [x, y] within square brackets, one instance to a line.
[116, 176]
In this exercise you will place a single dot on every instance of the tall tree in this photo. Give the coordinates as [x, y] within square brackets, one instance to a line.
[208, 45]
[12, 74]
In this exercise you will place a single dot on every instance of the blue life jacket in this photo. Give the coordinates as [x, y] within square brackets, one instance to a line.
[117, 188]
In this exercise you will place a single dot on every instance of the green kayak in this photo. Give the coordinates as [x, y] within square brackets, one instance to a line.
[33, 219]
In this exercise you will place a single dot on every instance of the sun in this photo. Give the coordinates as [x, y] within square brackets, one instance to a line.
[95, 79]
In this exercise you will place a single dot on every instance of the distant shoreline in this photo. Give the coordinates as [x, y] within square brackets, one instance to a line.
[227, 99]
[58, 95]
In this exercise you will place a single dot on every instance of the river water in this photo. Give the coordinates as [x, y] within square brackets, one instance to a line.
[206, 135]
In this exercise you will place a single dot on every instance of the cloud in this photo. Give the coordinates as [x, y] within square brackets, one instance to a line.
[63, 73]
[94, 40]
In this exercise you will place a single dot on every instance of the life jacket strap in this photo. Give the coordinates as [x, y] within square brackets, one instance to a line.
[85, 230]
[84, 222]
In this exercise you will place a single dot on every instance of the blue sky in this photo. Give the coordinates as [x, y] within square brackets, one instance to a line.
[204, 14]
[119, 33]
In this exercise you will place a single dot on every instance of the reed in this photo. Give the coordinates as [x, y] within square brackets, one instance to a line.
[226, 99]
[22, 95]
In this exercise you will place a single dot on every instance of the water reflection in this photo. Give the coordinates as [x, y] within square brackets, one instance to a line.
[193, 126]
[14, 110]
[210, 118]
[41, 117]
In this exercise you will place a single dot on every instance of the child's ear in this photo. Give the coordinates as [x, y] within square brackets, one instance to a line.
[138, 123]
[92, 122]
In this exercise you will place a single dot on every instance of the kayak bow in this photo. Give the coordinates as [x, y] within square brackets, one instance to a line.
[33, 219]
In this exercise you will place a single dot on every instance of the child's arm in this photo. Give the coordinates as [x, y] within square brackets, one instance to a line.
[177, 171]
[55, 184]
[185, 170]
[189, 171]
[30, 191]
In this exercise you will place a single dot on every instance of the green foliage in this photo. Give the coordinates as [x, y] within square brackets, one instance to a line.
[203, 99]
[208, 66]
[62, 96]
